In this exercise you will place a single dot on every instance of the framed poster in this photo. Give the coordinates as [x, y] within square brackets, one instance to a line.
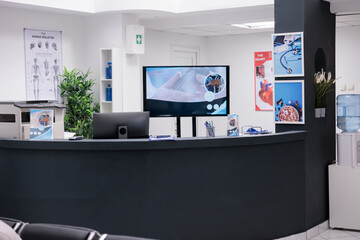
[288, 54]
[264, 81]
[43, 64]
[289, 102]
[41, 124]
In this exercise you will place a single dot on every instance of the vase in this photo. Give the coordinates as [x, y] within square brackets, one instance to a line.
[317, 112]
[322, 112]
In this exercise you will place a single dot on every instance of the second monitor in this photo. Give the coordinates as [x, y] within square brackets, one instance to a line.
[121, 125]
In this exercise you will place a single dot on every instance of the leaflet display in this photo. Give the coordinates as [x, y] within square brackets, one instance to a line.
[41, 124]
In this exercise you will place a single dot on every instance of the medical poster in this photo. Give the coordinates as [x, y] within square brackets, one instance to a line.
[264, 81]
[288, 54]
[289, 102]
[41, 124]
[43, 64]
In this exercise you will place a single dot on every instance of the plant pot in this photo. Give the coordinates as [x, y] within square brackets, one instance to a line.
[322, 112]
[317, 112]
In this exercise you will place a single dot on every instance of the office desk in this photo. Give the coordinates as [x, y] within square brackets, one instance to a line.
[193, 188]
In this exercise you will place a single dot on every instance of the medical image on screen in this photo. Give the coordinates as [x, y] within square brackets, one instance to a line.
[186, 91]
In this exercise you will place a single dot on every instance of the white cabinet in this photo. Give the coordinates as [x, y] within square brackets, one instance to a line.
[344, 197]
[112, 55]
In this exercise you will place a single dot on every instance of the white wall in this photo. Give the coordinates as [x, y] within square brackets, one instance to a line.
[108, 31]
[347, 58]
[82, 38]
[236, 51]
[158, 53]
[12, 61]
[158, 46]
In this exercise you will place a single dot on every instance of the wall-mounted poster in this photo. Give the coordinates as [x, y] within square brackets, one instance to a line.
[288, 54]
[43, 64]
[264, 81]
[41, 124]
[289, 102]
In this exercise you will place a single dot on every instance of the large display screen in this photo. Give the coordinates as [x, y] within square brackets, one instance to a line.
[186, 90]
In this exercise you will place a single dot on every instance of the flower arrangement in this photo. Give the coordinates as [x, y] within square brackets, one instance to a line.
[323, 82]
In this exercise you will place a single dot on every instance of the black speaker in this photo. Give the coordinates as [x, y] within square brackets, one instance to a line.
[122, 132]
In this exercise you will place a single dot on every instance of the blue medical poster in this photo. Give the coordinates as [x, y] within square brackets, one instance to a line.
[289, 102]
[288, 54]
[41, 124]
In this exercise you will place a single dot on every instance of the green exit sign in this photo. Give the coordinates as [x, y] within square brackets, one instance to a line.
[138, 39]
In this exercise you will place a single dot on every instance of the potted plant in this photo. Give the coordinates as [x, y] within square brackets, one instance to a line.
[76, 88]
[322, 82]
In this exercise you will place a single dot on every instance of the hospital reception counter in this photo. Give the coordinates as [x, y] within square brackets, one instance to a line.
[249, 187]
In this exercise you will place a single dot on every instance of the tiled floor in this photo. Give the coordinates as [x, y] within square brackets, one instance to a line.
[338, 235]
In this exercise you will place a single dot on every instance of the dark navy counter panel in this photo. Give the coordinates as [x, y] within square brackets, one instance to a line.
[197, 188]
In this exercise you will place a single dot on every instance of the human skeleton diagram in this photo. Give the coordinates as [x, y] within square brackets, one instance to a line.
[36, 78]
[56, 79]
[46, 66]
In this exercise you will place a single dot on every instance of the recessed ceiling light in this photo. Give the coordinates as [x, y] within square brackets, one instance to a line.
[255, 25]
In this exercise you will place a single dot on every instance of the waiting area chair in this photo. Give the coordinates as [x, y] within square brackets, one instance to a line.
[13, 223]
[43, 231]
[47, 231]
[121, 237]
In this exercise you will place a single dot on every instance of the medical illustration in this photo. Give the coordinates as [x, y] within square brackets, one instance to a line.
[56, 79]
[46, 66]
[36, 78]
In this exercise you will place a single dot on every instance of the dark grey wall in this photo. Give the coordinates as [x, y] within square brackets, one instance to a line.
[313, 17]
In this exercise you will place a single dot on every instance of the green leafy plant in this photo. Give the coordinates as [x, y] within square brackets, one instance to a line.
[323, 82]
[76, 88]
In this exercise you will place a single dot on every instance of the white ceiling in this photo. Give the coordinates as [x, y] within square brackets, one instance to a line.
[203, 18]
[211, 23]
[340, 7]
[106, 6]
[218, 23]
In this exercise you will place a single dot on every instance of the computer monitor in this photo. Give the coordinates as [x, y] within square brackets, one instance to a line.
[121, 125]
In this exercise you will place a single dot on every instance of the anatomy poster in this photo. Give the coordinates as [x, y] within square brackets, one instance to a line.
[264, 81]
[288, 54]
[289, 102]
[43, 64]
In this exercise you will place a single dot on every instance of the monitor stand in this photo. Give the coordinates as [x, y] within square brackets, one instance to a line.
[194, 126]
[122, 132]
[178, 126]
